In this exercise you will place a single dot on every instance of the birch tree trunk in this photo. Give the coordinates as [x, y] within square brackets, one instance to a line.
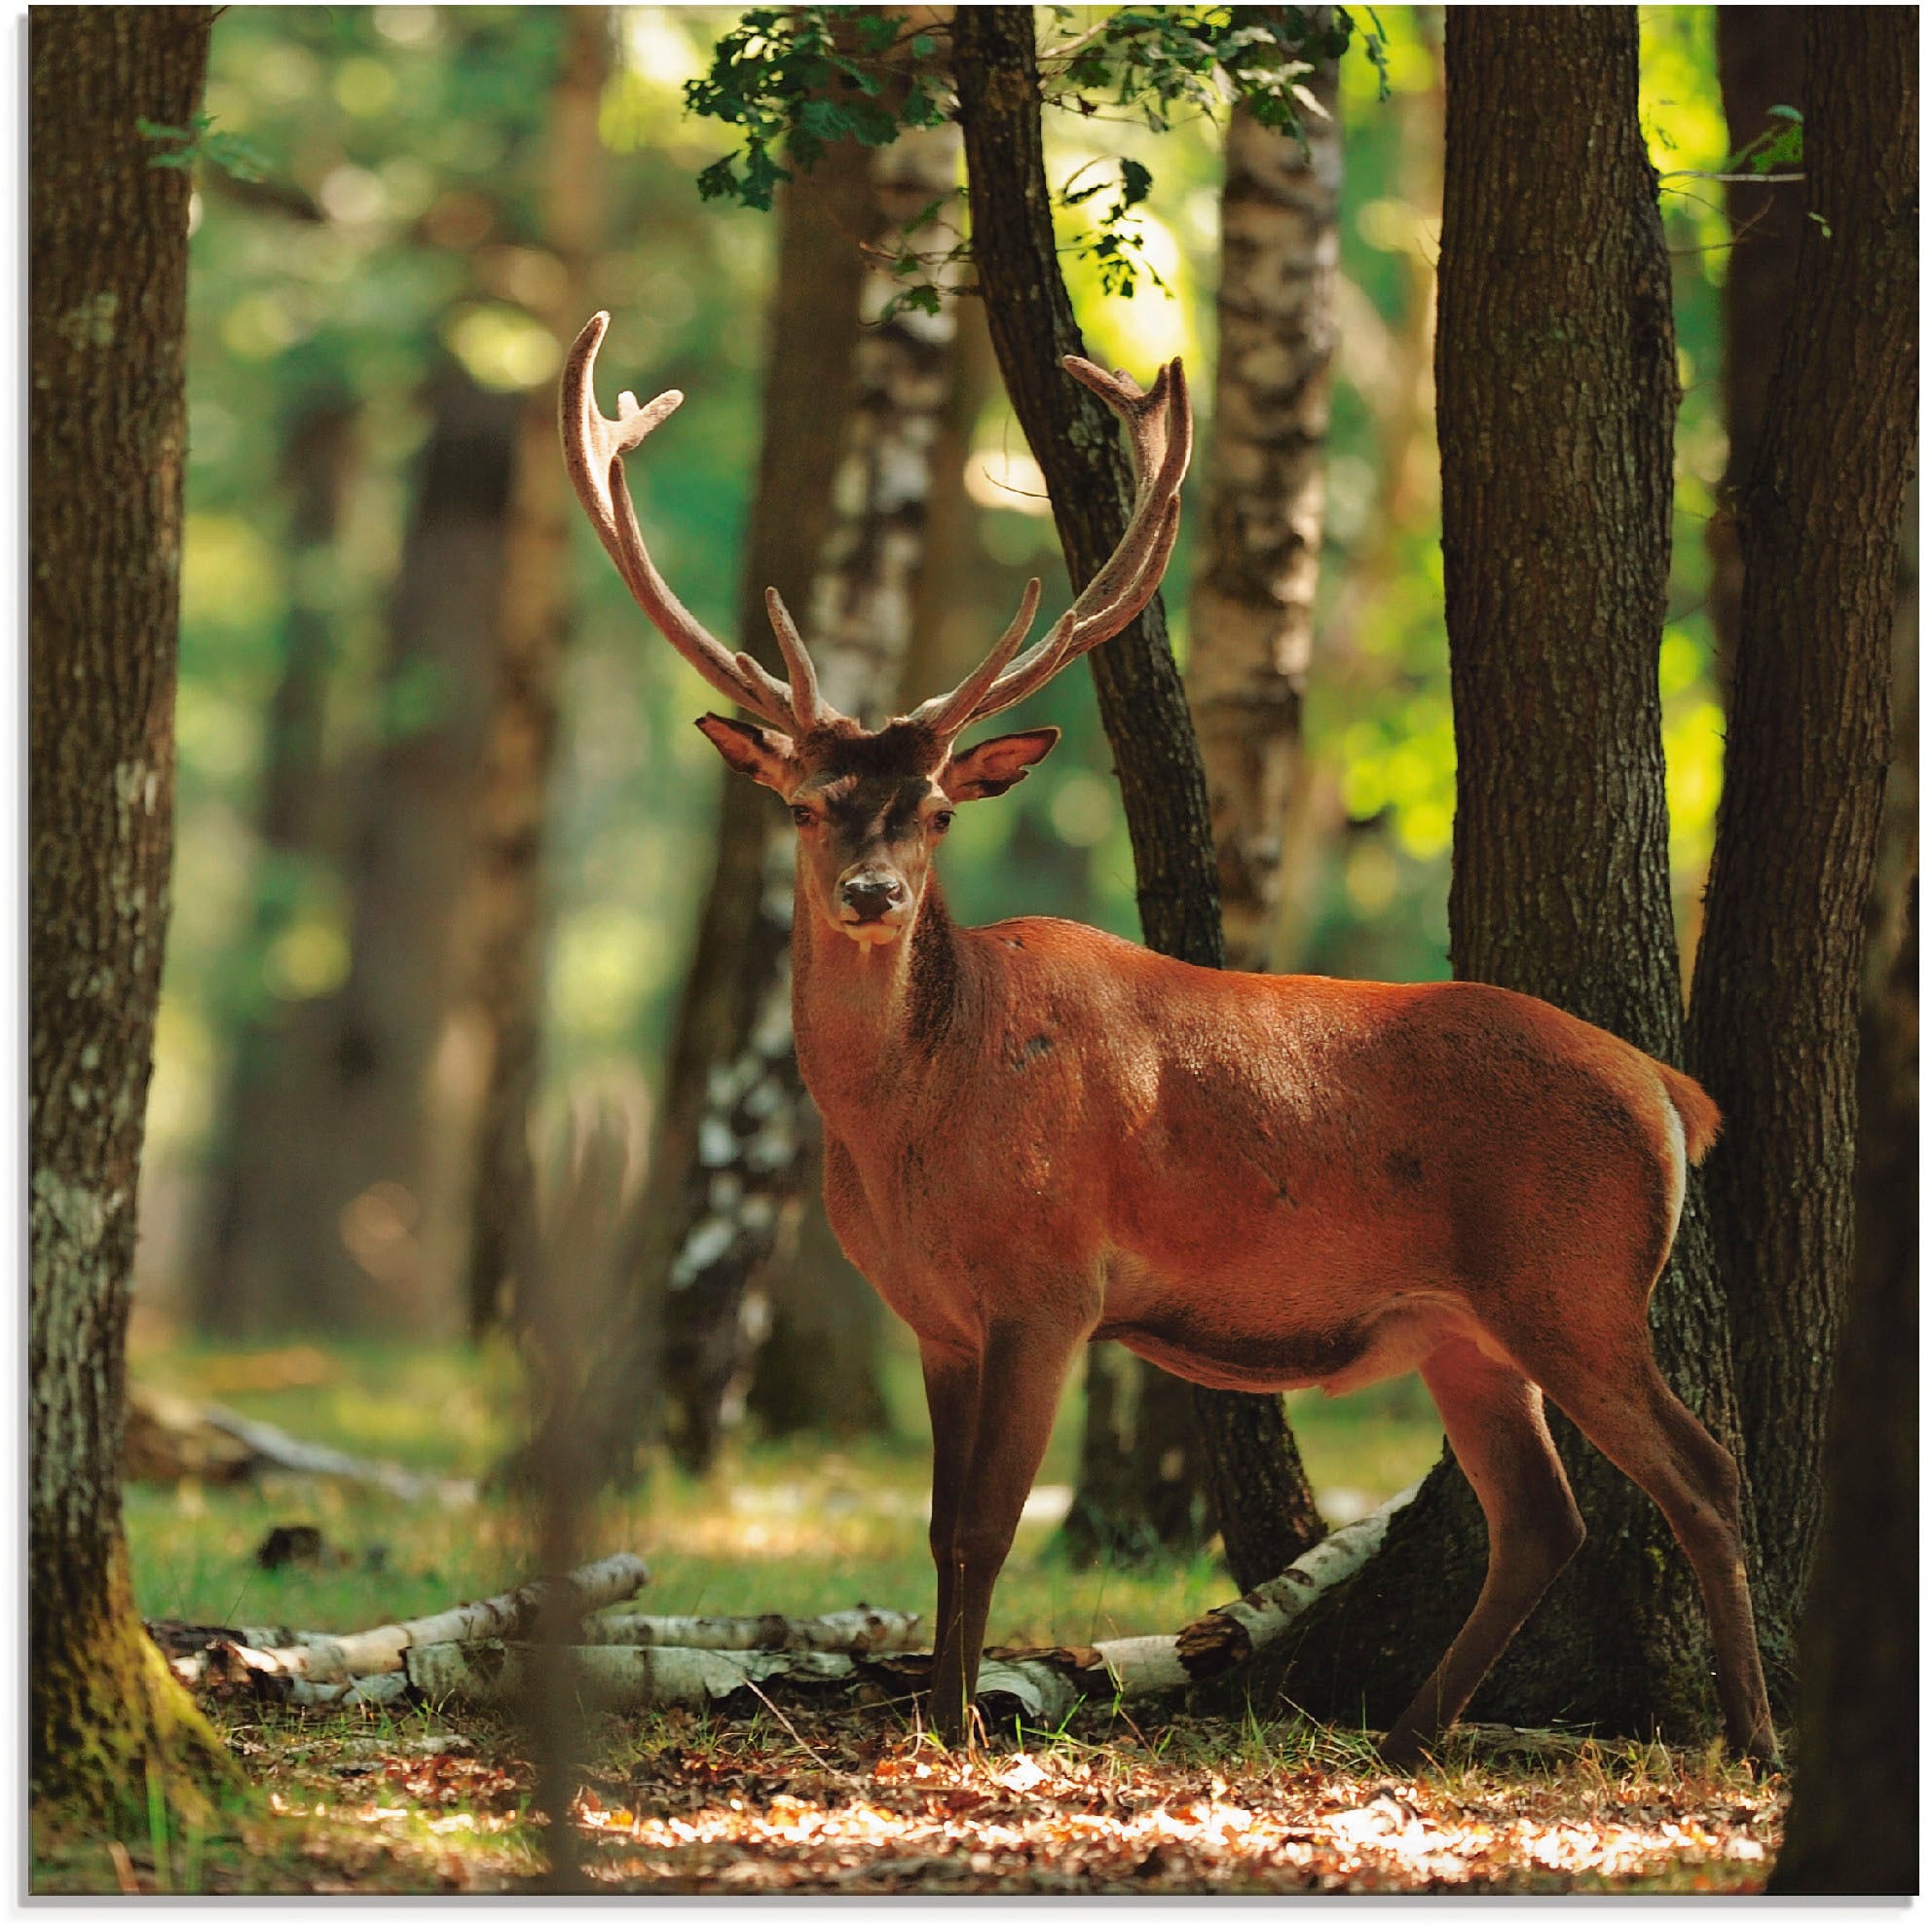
[506, 912]
[1774, 1028]
[1250, 630]
[109, 238]
[759, 1134]
[1556, 383]
[1252, 610]
[811, 332]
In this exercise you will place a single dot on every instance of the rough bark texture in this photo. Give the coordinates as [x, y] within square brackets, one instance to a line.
[1077, 444]
[758, 1137]
[507, 912]
[278, 1063]
[107, 434]
[1252, 610]
[1854, 1814]
[1759, 63]
[1556, 388]
[1773, 1028]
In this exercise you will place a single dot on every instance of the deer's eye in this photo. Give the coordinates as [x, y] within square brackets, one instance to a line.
[804, 816]
[942, 821]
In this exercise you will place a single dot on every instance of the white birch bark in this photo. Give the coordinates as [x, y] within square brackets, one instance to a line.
[1250, 616]
[854, 1633]
[318, 1659]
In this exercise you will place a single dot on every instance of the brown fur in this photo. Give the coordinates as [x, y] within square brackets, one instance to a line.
[1037, 1135]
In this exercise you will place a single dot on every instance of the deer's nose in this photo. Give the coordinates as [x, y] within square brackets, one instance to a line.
[869, 895]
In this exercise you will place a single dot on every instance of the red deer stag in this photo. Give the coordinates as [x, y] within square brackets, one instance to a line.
[1036, 1134]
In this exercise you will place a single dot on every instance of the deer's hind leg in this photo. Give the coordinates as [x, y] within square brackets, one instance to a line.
[1622, 1404]
[1494, 1423]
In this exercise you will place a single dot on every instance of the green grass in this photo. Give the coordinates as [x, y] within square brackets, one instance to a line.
[797, 1527]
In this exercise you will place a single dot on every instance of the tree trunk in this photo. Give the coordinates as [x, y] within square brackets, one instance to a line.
[1759, 63]
[1854, 1815]
[279, 1067]
[107, 432]
[1557, 384]
[339, 1229]
[1774, 1029]
[1251, 628]
[759, 1137]
[744, 932]
[505, 917]
[1077, 444]
[1251, 613]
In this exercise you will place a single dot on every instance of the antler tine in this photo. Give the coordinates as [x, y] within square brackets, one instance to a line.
[594, 447]
[1161, 426]
[807, 704]
[946, 715]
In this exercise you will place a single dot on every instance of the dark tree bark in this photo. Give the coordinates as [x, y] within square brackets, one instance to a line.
[1774, 1028]
[1556, 388]
[507, 912]
[279, 1067]
[108, 237]
[1077, 444]
[1759, 63]
[1853, 1828]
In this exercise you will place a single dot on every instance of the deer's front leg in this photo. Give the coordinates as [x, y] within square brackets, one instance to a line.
[952, 1401]
[1020, 1375]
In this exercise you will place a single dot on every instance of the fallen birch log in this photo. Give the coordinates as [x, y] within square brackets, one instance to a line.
[1232, 1633]
[1048, 1684]
[476, 1652]
[853, 1633]
[309, 1657]
[608, 1676]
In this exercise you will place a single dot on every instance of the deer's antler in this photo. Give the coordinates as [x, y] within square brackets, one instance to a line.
[594, 447]
[1161, 426]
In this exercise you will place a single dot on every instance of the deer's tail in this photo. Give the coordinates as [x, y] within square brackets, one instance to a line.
[1700, 1115]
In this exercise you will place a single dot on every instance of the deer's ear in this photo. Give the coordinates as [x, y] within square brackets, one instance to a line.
[990, 768]
[752, 751]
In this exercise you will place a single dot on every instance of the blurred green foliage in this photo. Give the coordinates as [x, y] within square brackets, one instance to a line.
[392, 231]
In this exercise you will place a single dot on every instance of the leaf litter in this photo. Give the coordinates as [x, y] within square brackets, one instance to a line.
[853, 1801]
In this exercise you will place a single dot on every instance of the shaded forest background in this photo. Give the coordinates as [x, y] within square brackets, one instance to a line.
[376, 318]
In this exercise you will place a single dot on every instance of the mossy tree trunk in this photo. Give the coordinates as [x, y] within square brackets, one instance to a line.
[1164, 790]
[107, 435]
[1556, 383]
[1774, 1028]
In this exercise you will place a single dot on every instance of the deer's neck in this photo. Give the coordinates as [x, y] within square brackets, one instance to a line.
[869, 1022]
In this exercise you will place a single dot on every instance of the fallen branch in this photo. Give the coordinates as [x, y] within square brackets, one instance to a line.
[478, 1653]
[171, 1437]
[608, 1676]
[854, 1633]
[276, 1449]
[1232, 1633]
[309, 1657]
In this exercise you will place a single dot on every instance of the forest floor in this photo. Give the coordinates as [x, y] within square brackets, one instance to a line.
[796, 1795]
